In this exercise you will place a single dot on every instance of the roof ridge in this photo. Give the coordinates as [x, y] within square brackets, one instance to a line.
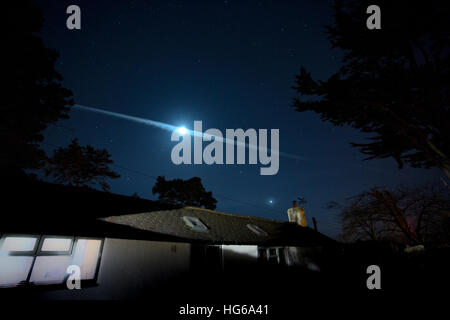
[204, 210]
[229, 214]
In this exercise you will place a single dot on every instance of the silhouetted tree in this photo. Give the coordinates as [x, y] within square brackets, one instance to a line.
[408, 215]
[185, 192]
[32, 95]
[80, 166]
[394, 82]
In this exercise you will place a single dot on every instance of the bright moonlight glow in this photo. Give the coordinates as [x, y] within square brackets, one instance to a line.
[182, 130]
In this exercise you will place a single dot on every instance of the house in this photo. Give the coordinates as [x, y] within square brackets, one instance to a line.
[126, 247]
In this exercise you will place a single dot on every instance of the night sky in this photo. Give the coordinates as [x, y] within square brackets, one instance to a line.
[230, 64]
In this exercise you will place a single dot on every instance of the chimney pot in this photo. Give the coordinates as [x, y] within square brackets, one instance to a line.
[297, 215]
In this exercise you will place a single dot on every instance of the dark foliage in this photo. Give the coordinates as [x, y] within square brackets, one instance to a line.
[32, 95]
[185, 192]
[80, 166]
[394, 82]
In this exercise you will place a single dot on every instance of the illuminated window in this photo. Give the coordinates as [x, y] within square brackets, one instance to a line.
[49, 269]
[86, 256]
[16, 259]
[256, 229]
[14, 270]
[18, 244]
[59, 245]
[195, 224]
[20, 264]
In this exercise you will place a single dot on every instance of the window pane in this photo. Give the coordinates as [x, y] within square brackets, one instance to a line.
[86, 256]
[14, 270]
[18, 244]
[259, 231]
[195, 224]
[47, 270]
[56, 244]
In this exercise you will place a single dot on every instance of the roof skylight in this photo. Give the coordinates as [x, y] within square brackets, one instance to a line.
[195, 224]
[259, 231]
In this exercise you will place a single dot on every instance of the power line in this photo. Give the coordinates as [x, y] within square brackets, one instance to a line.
[134, 171]
[215, 193]
[220, 195]
[155, 177]
[278, 211]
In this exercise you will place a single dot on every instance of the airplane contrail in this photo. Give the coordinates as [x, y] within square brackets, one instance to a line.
[147, 122]
[169, 127]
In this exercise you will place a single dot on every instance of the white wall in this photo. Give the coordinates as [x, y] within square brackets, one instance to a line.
[132, 266]
[238, 256]
[303, 257]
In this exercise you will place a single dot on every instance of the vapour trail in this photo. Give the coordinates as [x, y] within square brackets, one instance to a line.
[147, 122]
[165, 126]
[168, 127]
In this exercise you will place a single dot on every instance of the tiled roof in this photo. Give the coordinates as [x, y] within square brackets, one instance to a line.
[223, 228]
[44, 208]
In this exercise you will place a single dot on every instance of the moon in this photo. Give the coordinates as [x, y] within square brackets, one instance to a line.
[182, 130]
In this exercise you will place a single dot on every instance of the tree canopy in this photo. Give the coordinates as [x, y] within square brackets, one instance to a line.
[184, 192]
[81, 166]
[394, 82]
[32, 95]
[405, 215]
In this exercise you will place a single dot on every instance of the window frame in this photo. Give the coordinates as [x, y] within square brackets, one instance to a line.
[267, 257]
[260, 232]
[69, 252]
[37, 252]
[3, 237]
[93, 281]
[187, 221]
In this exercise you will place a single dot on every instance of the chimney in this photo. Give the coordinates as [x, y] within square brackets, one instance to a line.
[297, 214]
